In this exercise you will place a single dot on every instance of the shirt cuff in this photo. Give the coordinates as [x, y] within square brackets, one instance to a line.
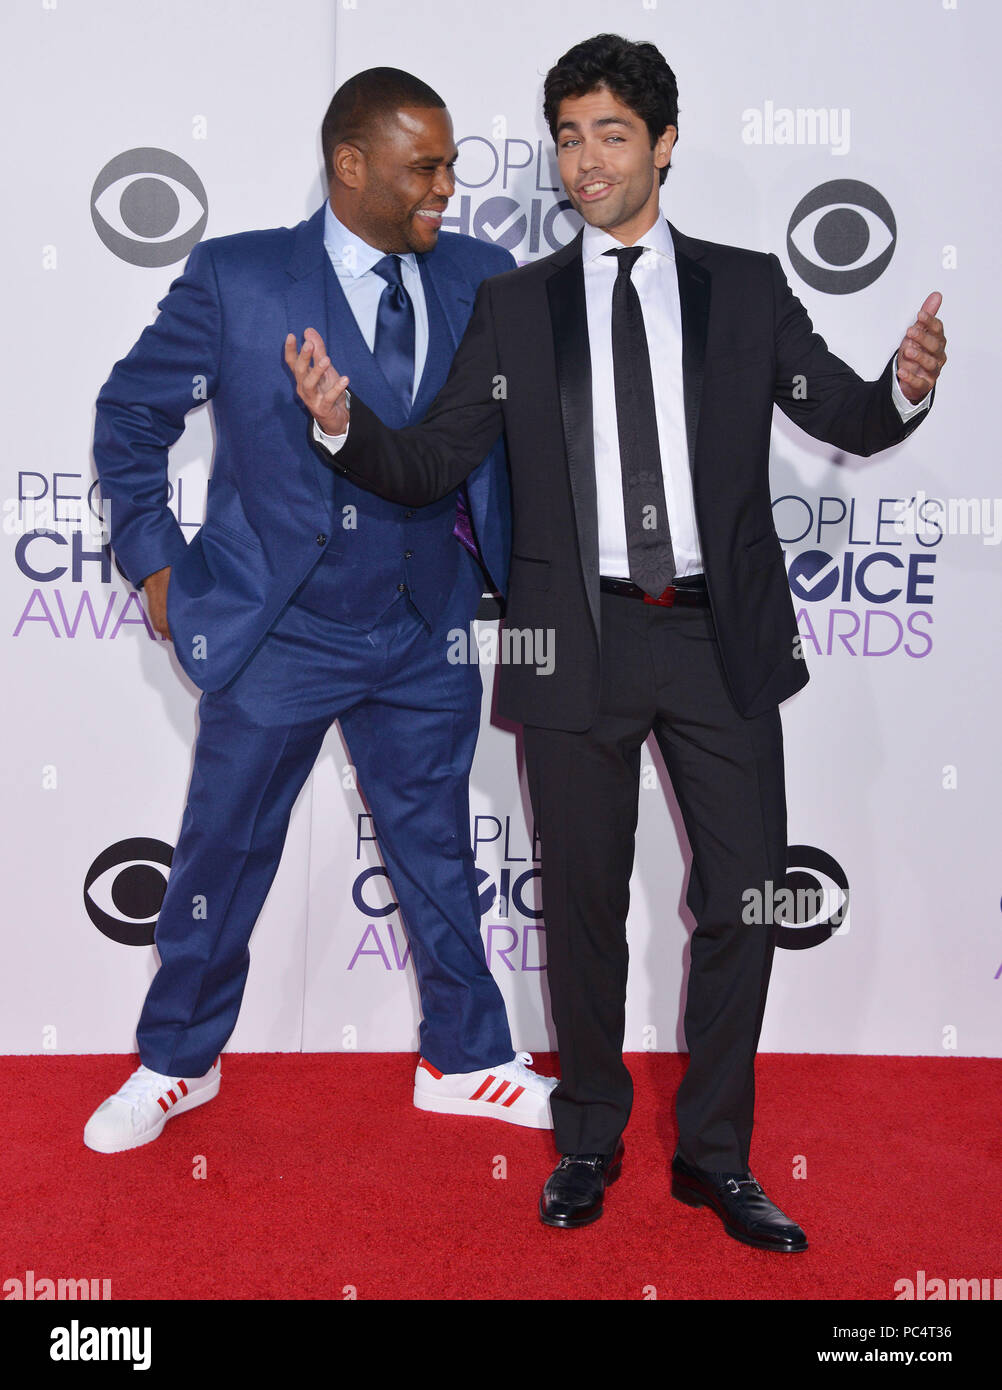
[904, 406]
[331, 442]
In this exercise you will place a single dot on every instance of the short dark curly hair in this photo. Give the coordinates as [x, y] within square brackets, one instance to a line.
[636, 73]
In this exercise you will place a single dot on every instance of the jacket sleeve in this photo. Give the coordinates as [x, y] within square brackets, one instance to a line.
[423, 462]
[823, 395]
[141, 411]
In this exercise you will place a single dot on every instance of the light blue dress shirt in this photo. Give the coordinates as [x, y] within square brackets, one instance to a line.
[353, 260]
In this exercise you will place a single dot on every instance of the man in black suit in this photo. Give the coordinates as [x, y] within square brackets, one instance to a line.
[634, 374]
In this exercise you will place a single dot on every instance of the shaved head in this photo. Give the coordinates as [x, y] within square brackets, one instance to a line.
[368, 101]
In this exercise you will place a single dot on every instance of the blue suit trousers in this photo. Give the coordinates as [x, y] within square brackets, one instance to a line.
[410, 720]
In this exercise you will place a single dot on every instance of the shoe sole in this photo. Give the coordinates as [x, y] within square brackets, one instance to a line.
[571, 1223]
[480, 1109]
[692, 1198]
[189, 1102]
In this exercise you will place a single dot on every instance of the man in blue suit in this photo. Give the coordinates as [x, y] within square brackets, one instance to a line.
[304, 599]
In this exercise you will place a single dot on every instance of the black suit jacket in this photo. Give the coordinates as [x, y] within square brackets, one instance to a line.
[524, 367]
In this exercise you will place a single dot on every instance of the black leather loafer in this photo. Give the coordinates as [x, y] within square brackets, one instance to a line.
[572, 1194]
[742, 1206]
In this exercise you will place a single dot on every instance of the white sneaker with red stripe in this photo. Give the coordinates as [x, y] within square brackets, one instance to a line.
[137, 1113]
[510, 1092]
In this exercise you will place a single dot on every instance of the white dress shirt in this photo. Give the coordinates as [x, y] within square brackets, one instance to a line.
[656, 281]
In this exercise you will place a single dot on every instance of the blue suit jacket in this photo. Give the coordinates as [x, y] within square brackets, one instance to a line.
[271, 503]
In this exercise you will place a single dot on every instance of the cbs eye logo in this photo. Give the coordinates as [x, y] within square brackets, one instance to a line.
[124, 887]
[149, 207]
[817, 901]
[841, 222]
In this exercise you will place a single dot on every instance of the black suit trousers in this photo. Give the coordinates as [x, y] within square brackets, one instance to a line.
[661, 672]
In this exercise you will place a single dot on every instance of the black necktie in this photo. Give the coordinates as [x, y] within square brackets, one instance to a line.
[648, 538]
[394, 346]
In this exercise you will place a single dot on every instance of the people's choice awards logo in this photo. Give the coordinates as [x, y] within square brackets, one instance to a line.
[124, 888]
[864, 586]
[149, 207]
[508, 192]
[841, 236]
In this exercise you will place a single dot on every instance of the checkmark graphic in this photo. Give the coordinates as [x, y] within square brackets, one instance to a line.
[805, 586]
[497, 230]
[818, 578]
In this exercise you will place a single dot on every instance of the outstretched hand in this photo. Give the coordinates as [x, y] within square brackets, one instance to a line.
[318, 384]
[922, 354]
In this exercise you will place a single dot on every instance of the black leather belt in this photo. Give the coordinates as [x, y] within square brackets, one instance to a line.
[690, 591]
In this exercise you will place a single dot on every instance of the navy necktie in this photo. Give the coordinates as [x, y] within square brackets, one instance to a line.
[394, 354]
[648, 539]
[394, 347]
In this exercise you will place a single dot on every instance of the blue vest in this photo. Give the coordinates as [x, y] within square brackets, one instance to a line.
[379, 551]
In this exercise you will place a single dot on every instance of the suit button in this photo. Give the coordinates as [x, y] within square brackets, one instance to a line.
[321, 539]
[401, 588]
[408, 515]
[408, 554]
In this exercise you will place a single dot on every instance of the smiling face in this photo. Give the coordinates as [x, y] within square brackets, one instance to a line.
[393, 192]
[607, 165]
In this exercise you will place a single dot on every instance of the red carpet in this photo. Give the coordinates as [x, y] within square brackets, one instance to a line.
[321, 1177]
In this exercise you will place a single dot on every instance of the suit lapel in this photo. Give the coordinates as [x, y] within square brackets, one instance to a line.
[316, 298]
[569, 320]
[356, 360]
[306, 300]
[448, 303]
[694, 296]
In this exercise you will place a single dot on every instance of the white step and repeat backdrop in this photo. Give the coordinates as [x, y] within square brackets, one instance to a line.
[857, 141]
